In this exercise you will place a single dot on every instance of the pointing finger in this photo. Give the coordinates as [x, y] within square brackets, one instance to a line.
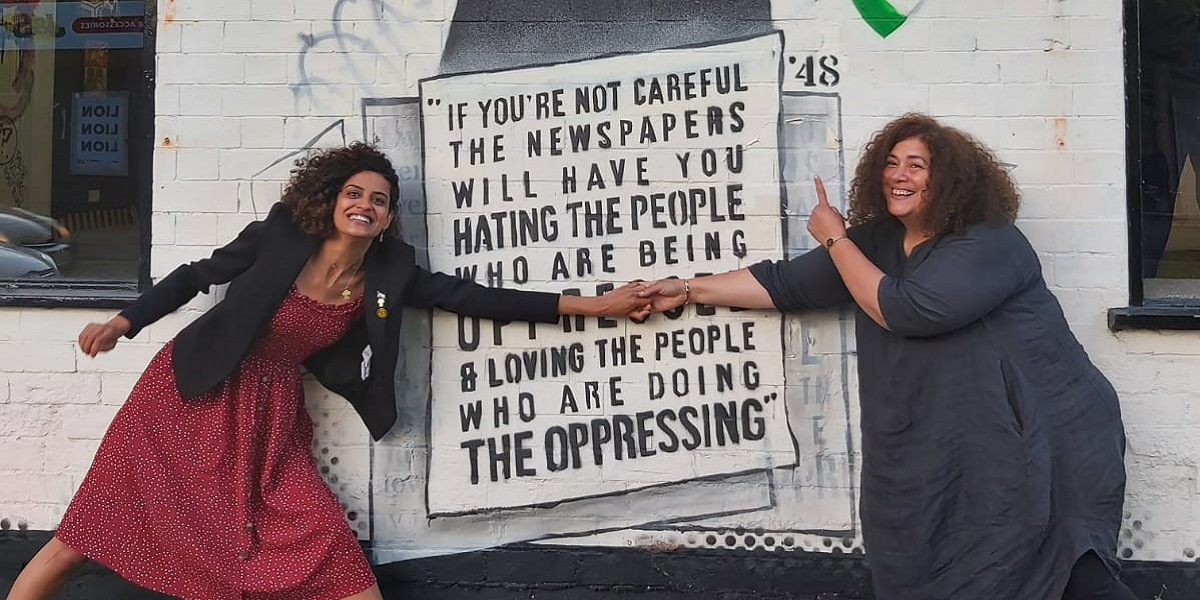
[822, 198]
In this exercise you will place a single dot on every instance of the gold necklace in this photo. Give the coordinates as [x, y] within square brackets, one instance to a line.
[345, 293]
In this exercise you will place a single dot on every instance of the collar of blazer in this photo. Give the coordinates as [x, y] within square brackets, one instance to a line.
[295, 248]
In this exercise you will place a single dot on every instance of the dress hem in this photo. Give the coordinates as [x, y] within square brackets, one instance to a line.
[158, 589]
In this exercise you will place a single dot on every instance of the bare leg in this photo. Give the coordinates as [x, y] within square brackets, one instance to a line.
[371, 593]
[46, 572]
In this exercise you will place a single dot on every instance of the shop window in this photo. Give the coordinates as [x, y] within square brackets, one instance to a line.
[76, 131]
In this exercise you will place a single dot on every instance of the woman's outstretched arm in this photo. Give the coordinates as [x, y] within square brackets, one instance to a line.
[624, 300]
[737, 288]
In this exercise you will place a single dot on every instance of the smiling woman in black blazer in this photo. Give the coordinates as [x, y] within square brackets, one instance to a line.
[205, 485]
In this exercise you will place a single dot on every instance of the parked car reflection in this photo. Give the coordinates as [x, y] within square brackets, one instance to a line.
[27, 229]
[17, 262]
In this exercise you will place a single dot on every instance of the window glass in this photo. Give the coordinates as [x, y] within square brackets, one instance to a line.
[1169, 130]
[73, 112]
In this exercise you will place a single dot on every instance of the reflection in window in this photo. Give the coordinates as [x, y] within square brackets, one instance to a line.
[1169, 54]
[70, 102]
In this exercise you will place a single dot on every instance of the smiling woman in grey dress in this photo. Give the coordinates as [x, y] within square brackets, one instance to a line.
[992, 447]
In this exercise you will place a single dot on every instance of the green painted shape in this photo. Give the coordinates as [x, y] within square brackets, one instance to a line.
[880, 15]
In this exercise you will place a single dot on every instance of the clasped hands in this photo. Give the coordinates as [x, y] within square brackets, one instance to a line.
[824, 223]
[638, 299]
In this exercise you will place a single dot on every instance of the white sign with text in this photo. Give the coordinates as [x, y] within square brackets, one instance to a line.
[573, 178]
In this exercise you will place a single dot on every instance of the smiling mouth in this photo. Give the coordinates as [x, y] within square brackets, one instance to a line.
[360, 219]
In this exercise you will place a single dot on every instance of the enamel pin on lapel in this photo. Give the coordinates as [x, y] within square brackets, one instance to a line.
[380, 299]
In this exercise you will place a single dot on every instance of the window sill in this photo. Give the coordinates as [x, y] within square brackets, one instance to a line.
[76, 295]
[1154, 317]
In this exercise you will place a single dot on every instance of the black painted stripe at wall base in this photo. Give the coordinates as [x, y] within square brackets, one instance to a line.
[571, 573]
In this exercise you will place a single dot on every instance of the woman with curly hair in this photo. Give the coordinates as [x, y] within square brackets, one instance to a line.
[205, 486]
[992, 447]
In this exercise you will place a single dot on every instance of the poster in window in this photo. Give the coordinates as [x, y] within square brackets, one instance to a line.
[99, 133]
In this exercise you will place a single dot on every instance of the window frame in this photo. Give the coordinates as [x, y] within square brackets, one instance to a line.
[110, 294]
[1139, 314]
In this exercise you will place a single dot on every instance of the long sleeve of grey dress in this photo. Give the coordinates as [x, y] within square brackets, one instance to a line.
[992, 447]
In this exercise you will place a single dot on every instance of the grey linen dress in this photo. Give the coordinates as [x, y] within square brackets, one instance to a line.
[992, 447]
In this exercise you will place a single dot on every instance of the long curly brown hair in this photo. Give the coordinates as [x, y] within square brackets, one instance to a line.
[318, 177]
[967, 184]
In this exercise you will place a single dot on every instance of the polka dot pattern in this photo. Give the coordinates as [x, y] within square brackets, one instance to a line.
[219, 497]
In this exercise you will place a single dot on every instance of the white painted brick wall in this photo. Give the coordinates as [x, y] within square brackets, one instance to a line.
[1041, 81]
[197, 132]
[194, 38]
[211, 10]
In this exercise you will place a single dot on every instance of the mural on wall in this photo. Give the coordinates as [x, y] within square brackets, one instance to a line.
[570, 146]
[420, 509]
[556, 434]
[576, 175]
[799, 492]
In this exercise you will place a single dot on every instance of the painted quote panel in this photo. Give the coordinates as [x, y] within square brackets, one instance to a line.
[399, 525]
[573, 178]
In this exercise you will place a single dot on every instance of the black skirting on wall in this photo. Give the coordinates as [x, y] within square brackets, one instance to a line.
[573, 573]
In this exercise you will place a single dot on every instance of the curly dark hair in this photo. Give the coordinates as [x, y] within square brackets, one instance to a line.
[318, 177]
[967, 185]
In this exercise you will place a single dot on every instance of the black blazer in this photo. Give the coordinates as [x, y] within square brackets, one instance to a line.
[262, 263]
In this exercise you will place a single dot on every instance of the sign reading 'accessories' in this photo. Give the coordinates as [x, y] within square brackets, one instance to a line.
[71, 25]
[130, 24]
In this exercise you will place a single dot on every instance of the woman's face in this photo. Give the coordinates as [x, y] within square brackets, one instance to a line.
[906, 181]
[363, 207]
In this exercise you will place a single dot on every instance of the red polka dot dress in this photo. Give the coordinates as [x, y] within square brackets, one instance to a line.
[219, 497]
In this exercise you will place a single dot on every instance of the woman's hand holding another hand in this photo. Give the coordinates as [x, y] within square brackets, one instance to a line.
[665, 294]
